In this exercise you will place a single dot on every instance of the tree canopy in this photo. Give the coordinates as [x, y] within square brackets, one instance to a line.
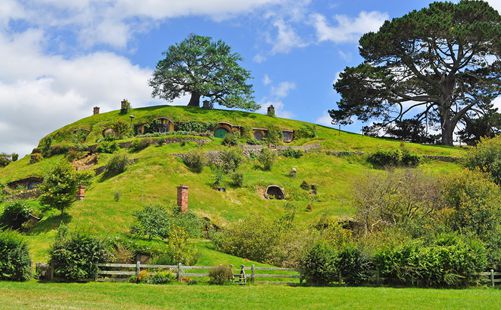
[203, 68]
[59, 187]
[441, 63]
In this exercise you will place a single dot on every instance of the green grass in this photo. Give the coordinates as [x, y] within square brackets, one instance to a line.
[33, 295]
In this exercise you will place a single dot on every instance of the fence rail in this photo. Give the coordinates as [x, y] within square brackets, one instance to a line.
[119, 271]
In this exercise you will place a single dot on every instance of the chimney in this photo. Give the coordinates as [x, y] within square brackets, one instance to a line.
[182, 198]
[96, 111]
[81, 192]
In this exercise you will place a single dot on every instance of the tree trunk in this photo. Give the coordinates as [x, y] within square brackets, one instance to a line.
[194, 100]
[448, 132]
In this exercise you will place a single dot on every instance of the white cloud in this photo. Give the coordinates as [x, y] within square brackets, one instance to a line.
[282, 89]
[267, 80]
[497, 103]
[286, 39]
[325, 120]
[40, 93]
[279, 108]
[347, 29]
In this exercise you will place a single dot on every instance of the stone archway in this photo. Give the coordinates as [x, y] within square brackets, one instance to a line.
[275, 192]
[222, 129]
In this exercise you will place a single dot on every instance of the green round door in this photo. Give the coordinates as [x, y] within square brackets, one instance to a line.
[220, 133]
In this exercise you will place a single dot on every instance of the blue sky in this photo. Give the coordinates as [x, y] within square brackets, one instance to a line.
[60, 58]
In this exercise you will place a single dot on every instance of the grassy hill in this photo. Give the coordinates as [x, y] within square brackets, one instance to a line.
[157, 171]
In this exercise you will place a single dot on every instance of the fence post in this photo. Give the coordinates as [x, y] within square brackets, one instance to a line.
[138, 267]
[492, 278]
[178, 275]
[243, 277]
[253, 274]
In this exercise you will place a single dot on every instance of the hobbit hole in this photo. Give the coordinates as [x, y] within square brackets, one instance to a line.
[260, 133]
[275, 192]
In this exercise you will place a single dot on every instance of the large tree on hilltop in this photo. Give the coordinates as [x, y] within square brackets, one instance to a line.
[203, 68]
[441, 63]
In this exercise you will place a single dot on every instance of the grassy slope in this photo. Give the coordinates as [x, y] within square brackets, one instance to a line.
[155, 175]
[32, 295]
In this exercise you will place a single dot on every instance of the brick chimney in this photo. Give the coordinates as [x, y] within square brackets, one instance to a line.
[96, 111]
[81, 192]
[182, 198]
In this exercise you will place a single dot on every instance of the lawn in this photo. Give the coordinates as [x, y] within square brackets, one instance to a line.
[33, 295]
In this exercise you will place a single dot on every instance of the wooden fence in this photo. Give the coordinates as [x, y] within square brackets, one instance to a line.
[121, 272]
[491, 277]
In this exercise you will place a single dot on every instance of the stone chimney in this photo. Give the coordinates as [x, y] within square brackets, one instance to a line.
[182, 198]
[271, 111]
[81, 192]
[96, 111]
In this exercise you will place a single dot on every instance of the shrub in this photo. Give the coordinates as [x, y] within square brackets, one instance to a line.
[59, 187]
[35, 158]
[354, 267]
[15, 263]
[229, 160]
[75, 257]
[121, 129]
[487, 158]
[385, 158]
[319, 266]
[221, 275]
[274, 135]
[179, 248]
[230, 139]
[195, 161]
[125, 106]
[266, 159]
[159, 277]
[152, 221]
[410, 159]
[15, 215]
[292, 153]
[307, 131]
[14, 157]
[237, 179]
[4, 160]
[108, 147]
[140, 144]
[116, 165]
[188, 221]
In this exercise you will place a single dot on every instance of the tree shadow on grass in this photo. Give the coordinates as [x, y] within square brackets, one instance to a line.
[50, 223]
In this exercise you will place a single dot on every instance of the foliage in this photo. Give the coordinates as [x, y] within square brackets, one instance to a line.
[179, 248]
[75, 256]
[306, 132]
[355, 267]
[231, 139]
[109, 147]
[485, 126]
[35, 158]
[159, 277]
[59, 187]
[195, 161]
[15, 263]
[448, 261]
[487, 158]
[237, 179]
[221, 275]
[121, 129]
[266, 159]
[116, 165]
[411, 130]
[229, 161]
[393, 158]
[274, 135]
[152, 221]
[15, 215]
[45, 146]
[194, 126]
[203, 68]
[292, 153]
[124, 106]
[442, 52]
[187, 221]
[140, 144]
[319, 266]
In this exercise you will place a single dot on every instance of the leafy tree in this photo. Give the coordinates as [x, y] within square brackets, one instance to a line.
[485, 126]
[486, 157]
[152, 221]
[59, 187]
[203, 68]
[411, 130]
[439, 63]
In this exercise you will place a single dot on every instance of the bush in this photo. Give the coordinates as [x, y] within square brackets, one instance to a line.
[59, 187]
[35, 158]
[15, 263]
[188, 221]
[15, 215]
[195, 161]
[179, 248]
[487, 158]
[108, 147]
[139, 145]
[152, 221]
[410, 159]
[230, 139]
[319, 266]
[448, 262]
[355, 267]
[116, 165]
[292, 153]
[221, 275]
[159, 277]
[274, 135]
[307, 131]
[237, 179]
[229, 160]
[266, 159]
[75, 257]
[385, 158]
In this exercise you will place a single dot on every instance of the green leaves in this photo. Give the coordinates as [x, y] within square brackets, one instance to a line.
[203, 68]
